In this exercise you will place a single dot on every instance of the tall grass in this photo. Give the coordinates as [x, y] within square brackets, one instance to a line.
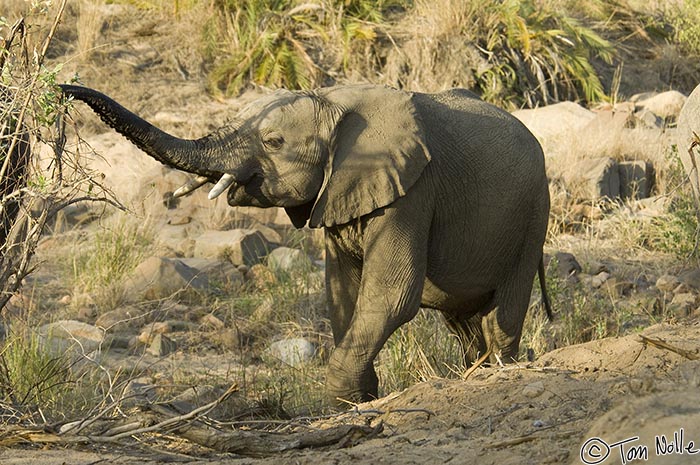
[511, 52]
[286, 43]
[101, 264]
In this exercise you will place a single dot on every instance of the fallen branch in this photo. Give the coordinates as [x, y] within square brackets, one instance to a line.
[661, 344]
[161, 418]
[511, 442]
[262, 444]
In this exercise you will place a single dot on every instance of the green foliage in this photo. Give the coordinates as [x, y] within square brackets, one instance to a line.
[283, 43]
[675, 232]
[100, 266]
[28, 374]
[260, 41]
[537, 51]
[684, 17]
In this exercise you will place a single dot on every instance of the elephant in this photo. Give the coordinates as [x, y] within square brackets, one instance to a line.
[438, 201]
[688, 139]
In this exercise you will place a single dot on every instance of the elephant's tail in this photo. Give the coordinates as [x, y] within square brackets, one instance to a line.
[543, 286]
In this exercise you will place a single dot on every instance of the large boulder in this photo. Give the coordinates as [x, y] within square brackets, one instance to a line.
[603, 178]
[294, 352]
[554, 120]
[636, 179]
[66, 336]
[159, 277]
[686, 131]
[239, 246]
[666, 105]
[593, 179]
[216, 271]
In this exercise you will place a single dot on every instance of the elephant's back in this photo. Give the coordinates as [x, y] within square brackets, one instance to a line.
[478, 140]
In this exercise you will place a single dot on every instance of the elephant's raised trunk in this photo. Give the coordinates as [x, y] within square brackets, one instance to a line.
[194, 156]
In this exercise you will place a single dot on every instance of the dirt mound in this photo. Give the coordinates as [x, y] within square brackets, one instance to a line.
[641, 389]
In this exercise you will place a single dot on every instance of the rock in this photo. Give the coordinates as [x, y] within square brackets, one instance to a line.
[123, 167]
[636, 179]
[683, 304]
[533, 390]
[121, 318]
[234, 339]
[72, 216]
[149, 332]
[647, 119]
[217, 272]
[117, 342]
[211, 321]
[69, 335]
[567, 266]
[140, 391]
[293, 352]
[161, 345]
[555, 120]
[159, 278]
[87, 313]
[610, 120]
[688, 126]
[690, 278]
[667, 283]
[666, 105]
[239, 246]
[593, 179]
[595, 281]
[287, 260]
[616, 288]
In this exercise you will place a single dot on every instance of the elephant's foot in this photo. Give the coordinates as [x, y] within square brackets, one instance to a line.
[345, 387]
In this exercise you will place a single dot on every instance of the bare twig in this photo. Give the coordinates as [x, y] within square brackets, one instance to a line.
[477, 364]
[661, 344]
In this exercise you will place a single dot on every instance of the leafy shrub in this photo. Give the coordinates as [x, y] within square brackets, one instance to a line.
[684, 17]
[511, 52]
[282, 42]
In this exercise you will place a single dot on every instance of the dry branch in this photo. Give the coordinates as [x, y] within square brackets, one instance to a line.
[661, 344]
[162, 419]
[31, 196]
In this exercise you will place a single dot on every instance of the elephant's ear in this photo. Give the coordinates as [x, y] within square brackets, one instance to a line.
[377, 152]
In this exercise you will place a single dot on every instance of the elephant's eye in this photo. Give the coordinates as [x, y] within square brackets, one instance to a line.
[273, 141]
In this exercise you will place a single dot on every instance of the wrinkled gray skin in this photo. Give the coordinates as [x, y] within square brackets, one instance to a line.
[433, 200]
[688, 126]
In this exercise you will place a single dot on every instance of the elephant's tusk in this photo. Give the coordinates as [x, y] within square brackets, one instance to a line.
[223, 184]
[192, 185]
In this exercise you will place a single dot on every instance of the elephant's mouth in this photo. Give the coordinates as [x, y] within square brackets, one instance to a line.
[248, 194]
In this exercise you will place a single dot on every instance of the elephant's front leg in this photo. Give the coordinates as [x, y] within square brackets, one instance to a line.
[393, 273]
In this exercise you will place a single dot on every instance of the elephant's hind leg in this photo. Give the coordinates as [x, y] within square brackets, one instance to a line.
[502, 327]
[467, 326]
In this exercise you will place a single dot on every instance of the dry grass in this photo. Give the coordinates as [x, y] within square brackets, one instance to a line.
[427, 61]
[89, 28]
